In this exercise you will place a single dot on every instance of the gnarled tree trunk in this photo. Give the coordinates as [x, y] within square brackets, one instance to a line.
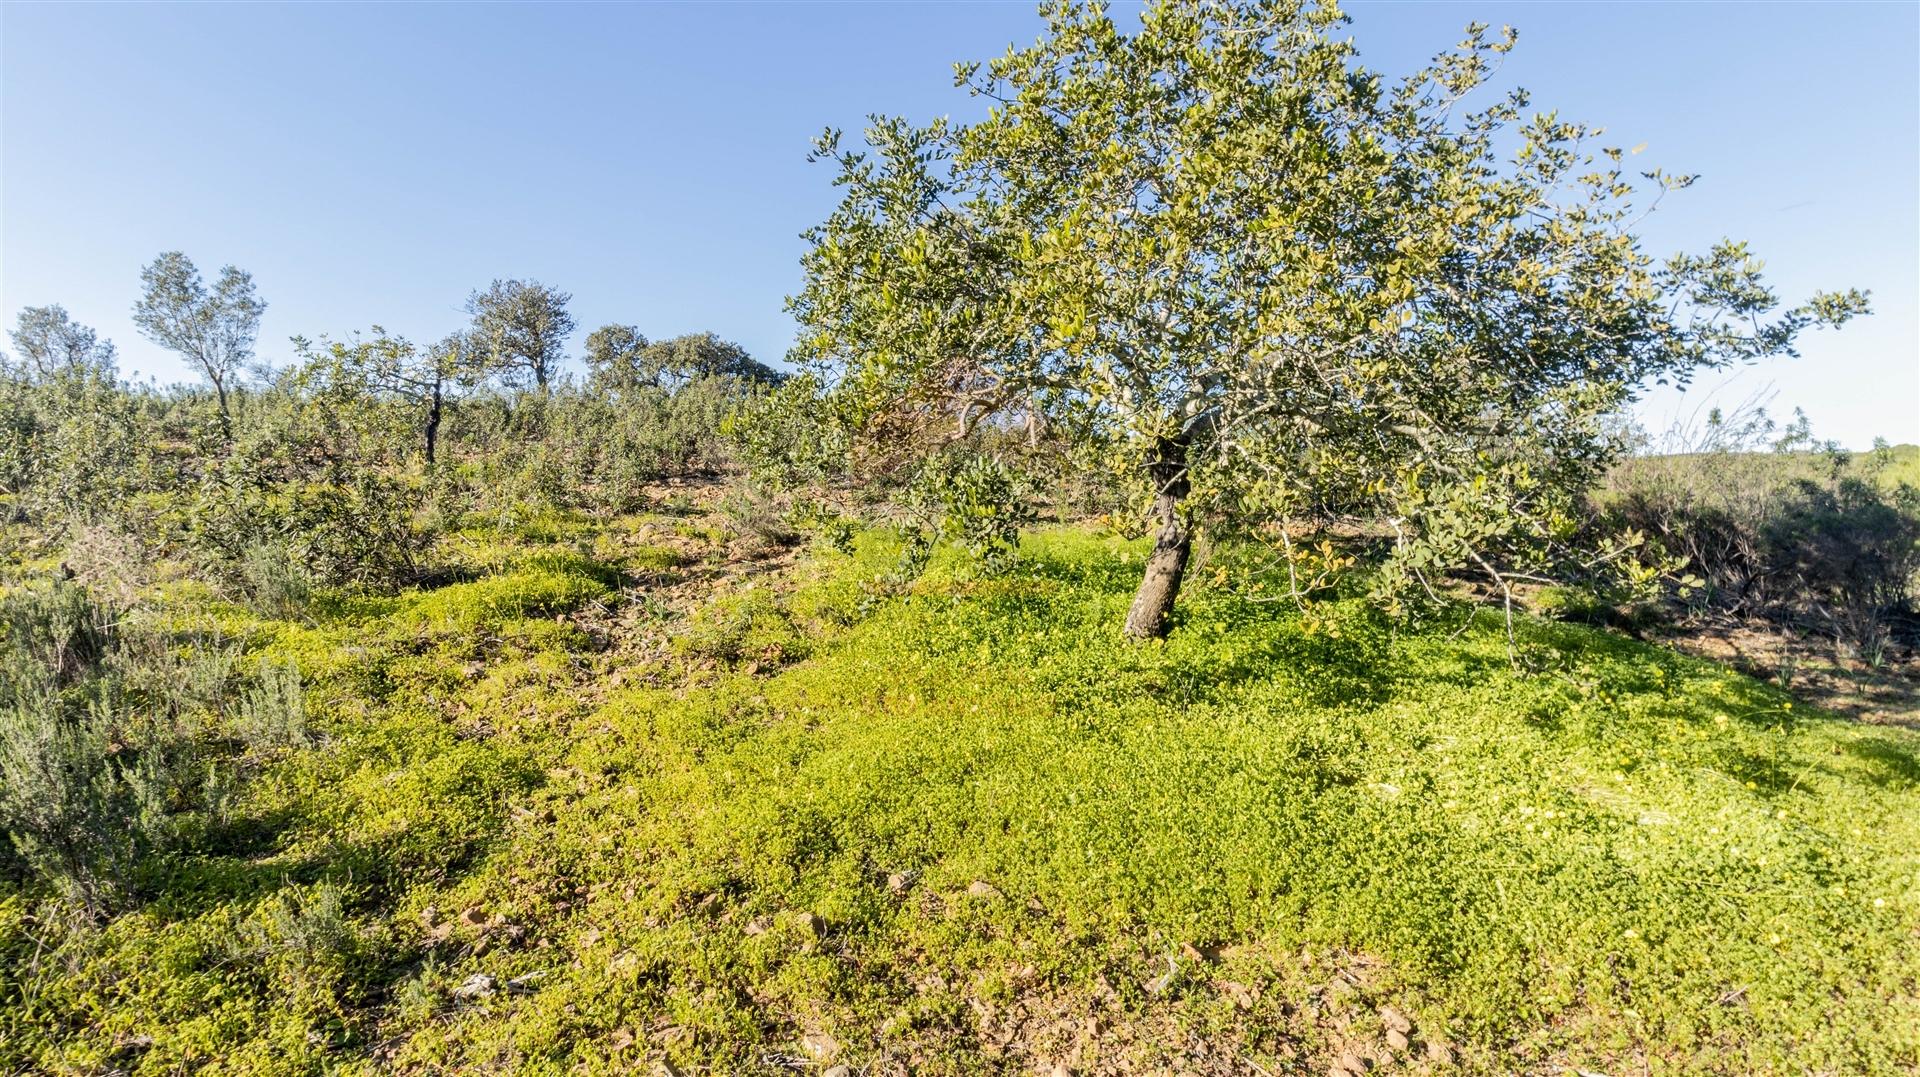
[1168, 562]
[433, 423]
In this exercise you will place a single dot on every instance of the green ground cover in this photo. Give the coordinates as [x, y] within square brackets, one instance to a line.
[963, 825]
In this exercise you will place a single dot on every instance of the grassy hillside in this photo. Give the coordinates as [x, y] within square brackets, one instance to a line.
[620, 799]
[1888, 467]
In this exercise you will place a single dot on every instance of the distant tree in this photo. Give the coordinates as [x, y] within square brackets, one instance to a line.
[614, 354]
[427, 380]
[522, 328]
[389, 366]
[673, 363]
[213, 328]
[48, 341]
[1263, 284]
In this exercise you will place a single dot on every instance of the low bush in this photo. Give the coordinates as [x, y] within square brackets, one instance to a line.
[1828, 543]
[273, 715]
[1851, 552]
[92, 774]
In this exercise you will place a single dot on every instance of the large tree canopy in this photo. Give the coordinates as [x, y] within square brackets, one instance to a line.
[522, 329]
[1267, 283]
[49, 342]
[214, 328]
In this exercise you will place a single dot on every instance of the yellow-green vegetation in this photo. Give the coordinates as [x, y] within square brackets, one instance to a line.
[966, 827]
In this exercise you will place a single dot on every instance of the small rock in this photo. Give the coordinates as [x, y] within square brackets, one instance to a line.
[1352, 1062]
[1242, 995]
[474, 916]
[810, 924]
[757, 926]
[1059, 1070]
[1439, 1052]
[1397, 1039]
[523, 985]
[820, 1045]
[621, 1039]
[898, 882]
[837, 1071]
[983, 889]
[1197, 955]
[478, 985]
[1393, 1018]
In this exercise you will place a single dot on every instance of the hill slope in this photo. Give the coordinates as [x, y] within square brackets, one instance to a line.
[618, 804]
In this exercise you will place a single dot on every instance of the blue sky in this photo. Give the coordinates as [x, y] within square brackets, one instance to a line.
[372, 163]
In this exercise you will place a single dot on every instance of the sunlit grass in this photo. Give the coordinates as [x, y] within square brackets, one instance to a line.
[1622, 854]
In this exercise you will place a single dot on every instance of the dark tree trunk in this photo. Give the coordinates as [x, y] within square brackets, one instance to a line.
[433, 423]
[1168, 562]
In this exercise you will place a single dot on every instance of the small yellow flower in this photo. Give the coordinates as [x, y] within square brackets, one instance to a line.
[1752, 785]
[1786, 706]
[1774, 940]
[1781, 814]
[1631, 933]
[1879, 903]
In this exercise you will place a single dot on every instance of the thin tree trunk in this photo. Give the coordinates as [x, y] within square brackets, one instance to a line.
[433, 423]
[226, 413]
[1168, 562]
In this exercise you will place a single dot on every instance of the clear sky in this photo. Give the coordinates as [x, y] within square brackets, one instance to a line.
[373, 163]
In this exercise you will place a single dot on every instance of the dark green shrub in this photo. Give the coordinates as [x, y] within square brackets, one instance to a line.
[1818, 541]
[277, 540]
[790, 436]
[1852, 553]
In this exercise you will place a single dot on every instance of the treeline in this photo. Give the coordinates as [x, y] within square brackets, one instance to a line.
[335, 468]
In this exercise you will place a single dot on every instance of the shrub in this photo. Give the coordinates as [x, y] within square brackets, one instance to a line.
[76, 801]
[752, 509]
[99, 767]
[66, 801]
[984, 503]
[1822, 541]
[277, 584]
[1852, 552]
[752, 625]
[273, 714]
[276, 540]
